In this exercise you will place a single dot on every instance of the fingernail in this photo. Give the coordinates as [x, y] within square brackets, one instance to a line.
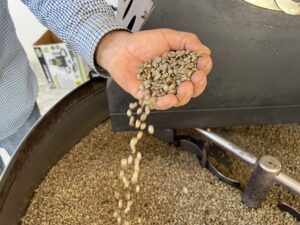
[207, 49]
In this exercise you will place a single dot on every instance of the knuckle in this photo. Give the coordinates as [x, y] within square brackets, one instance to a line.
[166, 30]
[193, 36]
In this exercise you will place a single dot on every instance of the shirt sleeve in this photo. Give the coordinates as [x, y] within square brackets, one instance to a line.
[79, 23]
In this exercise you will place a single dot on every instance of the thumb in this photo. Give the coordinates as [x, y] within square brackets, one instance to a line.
[134, 89]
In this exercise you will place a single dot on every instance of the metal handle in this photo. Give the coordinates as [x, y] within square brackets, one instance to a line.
[4, 160]
[279, 177]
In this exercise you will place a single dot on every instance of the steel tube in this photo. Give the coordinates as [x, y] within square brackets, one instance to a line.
[227, 145]
[288, 182]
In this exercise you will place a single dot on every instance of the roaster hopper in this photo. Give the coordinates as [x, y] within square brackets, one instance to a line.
[255, 79]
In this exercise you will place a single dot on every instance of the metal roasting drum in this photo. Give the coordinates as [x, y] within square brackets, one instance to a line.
[74, 117]
[255, 81]
[255, 78]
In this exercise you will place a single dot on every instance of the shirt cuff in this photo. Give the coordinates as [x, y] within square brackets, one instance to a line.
[90, 34]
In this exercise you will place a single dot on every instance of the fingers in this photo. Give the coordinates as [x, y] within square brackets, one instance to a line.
[205, 64]
[133, 88]
[199, 81]
[183, 40]
[165, 102]
[184, 93]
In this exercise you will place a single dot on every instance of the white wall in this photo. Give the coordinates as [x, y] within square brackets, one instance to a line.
[27, 26]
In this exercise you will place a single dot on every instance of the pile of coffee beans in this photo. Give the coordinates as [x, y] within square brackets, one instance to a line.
[174, 188]
[160, 76]
[163, 75]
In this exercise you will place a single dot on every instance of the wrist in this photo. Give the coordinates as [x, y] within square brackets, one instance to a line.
[109, 46]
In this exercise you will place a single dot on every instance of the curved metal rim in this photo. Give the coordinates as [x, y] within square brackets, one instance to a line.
[270, 4]
[39, 121]
[290, 7]
[35, 157]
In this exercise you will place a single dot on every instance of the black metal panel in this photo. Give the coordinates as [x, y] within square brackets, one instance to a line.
[53, 136]
[256, 74]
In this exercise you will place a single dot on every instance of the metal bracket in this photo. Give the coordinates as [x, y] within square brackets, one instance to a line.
[287, 208]
[202, 151]
[133, 14]
[166, 135]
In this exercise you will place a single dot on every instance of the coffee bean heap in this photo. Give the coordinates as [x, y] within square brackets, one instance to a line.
[174, 188]
[160, 76]
[163, 75]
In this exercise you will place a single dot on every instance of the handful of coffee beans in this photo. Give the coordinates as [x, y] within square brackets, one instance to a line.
[160, 76]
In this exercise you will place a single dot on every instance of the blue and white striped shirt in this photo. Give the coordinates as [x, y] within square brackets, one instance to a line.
[79, 23]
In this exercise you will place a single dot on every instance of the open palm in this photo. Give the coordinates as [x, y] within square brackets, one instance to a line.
[128, 51]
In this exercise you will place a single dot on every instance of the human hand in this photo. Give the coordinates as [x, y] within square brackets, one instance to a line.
[120, 53]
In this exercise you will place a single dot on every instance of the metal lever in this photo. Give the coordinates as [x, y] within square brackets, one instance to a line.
[4, 160]
[266, 169]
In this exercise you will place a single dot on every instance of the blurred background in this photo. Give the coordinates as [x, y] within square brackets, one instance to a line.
[29, 29]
